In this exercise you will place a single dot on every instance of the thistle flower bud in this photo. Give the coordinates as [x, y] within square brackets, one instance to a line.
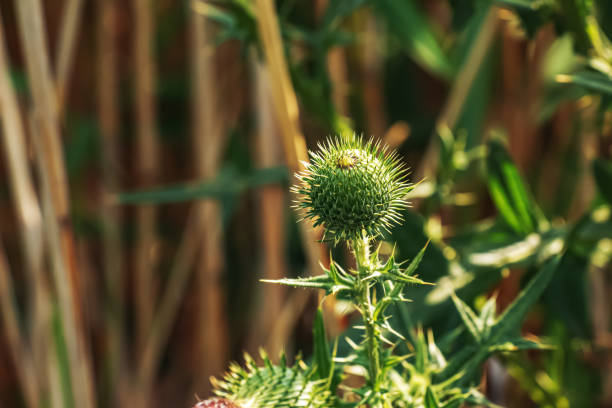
[216, 403]
[352, 187]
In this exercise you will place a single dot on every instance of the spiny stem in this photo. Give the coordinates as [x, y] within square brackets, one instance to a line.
[361, 249]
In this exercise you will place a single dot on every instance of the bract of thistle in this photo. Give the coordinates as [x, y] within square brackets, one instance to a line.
[352, 187]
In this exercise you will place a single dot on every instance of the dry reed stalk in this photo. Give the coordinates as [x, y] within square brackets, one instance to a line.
[519, 98]
[271, 208]
[22, 188]
[397, 134]
[564, 120]
[29, 219]
[170, 301]
[600, 316]
[148, 163]
[65, 50]
[460, 90]
[285, 106]
[371, 61]
[111, 215]
[590, 149]
[187, 254]
[81, 375]
[56, 395]
[286, 319]
[58, 231]
[208, 139]
[283, 95]
[338, 73]
[336, 67]
[22, 358]
[287, 114]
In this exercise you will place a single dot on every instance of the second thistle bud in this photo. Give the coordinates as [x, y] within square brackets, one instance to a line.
[216, 403]
[352, 187]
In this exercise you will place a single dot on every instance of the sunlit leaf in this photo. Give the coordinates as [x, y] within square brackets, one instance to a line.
[313, 282]
[593, 81]
[470, 320]
[520, 344]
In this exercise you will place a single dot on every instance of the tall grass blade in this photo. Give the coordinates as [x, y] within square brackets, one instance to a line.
[407, 21]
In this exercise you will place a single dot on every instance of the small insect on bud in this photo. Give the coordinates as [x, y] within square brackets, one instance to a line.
[216, 403]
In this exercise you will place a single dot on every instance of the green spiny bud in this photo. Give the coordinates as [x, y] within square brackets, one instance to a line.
[352, 187]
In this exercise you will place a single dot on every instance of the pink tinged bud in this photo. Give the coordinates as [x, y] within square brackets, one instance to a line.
[216, 403]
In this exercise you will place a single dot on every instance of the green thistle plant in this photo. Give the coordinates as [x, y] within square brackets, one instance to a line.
[355, 190]
[352, 188]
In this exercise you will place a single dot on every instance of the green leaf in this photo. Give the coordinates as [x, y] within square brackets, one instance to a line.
[508, 190]
[403, 278]
[400, 278]
[487, 316]
[313, 282]
[430, 399]
[422, 352]
[215, 14]
[519, 344]
[593, 81]
[416, 261]
[227, 182]
[502, 337]
[469, 318]
[477, 398]
[512, 317]
[602, 170]
[406, 21]
[528, 250]
[560, 58]
[235, 18]
[321, 347]
[503, 205]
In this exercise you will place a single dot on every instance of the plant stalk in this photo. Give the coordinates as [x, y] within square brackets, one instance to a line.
[361, 249]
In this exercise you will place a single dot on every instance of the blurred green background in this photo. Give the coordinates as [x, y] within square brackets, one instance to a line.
[148, 146]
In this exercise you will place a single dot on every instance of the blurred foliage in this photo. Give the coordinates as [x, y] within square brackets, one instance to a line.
[501, 213]
[471, 253]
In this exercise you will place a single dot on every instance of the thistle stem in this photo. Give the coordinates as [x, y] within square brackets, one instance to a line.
[361, 249]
